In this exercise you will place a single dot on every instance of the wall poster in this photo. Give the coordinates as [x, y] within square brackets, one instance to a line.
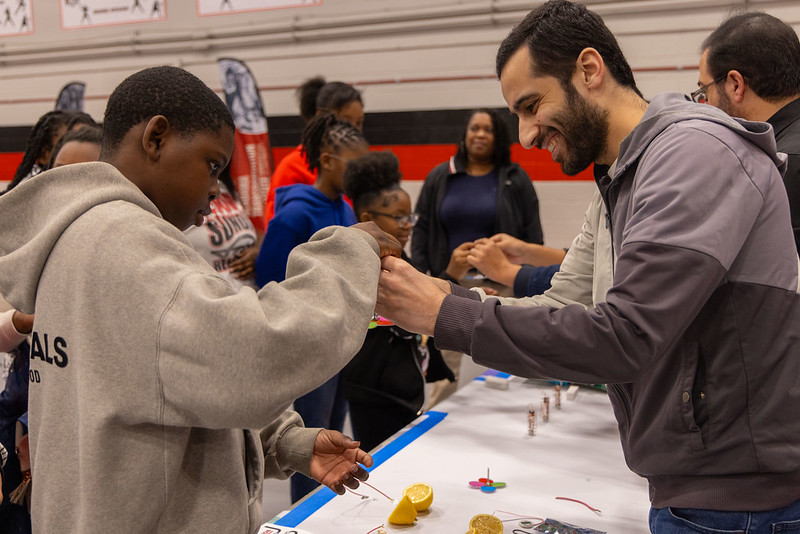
[16, 17]
[76, 14]
[224, 7]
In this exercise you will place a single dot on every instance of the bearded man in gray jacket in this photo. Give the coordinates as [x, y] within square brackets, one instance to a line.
[679, 293]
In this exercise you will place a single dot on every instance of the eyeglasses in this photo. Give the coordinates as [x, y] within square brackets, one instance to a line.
[699, 96]
[402, 220]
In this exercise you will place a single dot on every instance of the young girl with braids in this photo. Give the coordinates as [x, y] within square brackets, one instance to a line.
[384, 383]
[43, 137]
[315, 96]
[329, 143]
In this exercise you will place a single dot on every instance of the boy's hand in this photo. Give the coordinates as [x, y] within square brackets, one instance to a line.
[244, 266]
[389, 246]
[23, 322]
[336, 459]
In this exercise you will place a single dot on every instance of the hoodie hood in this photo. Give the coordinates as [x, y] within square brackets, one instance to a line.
[35, 214]
[668, 108]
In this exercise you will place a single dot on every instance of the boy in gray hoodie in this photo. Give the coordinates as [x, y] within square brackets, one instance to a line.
[679, 293]
[147, 369]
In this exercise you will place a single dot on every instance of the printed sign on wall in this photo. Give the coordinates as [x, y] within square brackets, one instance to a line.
[16, 17]
[224, 7]
[77, 14]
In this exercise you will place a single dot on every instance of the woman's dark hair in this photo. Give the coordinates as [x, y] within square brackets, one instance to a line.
[367, 178]
[764, 49]
[501, 156]
[327, 132]
[79, 119]
[189, 105]
[85, 134]
[307, 97]
[335, 95]
[39, 140]
[556, 33]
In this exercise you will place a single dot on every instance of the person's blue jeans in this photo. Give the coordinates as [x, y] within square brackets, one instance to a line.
[325, 407]
[784, 520]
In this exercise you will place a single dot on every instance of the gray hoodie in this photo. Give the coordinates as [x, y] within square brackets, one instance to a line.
[698, 335]
[146, 365]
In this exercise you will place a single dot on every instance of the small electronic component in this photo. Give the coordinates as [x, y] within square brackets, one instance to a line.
[531, 420]
[558, 396]
[495, 382]
[546, 408]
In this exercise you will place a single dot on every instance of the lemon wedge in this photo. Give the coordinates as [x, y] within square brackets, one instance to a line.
[421, 494]
[404, 513]
[486, 524]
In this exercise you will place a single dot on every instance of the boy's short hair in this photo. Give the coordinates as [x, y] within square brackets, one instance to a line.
[368, 177]
[189, 105]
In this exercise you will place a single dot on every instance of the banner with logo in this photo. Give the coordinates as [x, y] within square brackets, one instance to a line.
[250, 165]
[16, 17]
[77, 14]
[224, 7]
[71, 97]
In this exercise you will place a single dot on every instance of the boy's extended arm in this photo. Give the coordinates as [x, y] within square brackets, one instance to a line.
[237, 360]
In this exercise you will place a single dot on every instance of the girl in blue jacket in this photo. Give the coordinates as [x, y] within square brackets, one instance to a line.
[300, 211]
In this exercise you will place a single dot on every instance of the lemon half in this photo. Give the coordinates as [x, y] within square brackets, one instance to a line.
[421, 494]
[404, 513]
[486, 524]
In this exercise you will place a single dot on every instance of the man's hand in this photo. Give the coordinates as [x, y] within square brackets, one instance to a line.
[515, 249]
[23, 322]
[336, 459]
[488, 258]
[389, 246]
[458, 266]
[522, 252]
[409, 298]
[244, 266]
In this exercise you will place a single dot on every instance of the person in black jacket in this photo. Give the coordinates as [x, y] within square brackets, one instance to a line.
[750, 68]
[384, 383]
[476, 194]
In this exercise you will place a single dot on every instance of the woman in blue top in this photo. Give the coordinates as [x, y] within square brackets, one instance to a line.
[300, 211]
[479, 192]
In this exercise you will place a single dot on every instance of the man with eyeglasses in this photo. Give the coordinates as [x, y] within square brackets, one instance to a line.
[679, 293]
[750, 68]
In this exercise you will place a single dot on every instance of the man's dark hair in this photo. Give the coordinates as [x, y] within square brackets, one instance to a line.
[189, 105]
[367, 178]
[335, 95]
[327, 132]
[501, 156]
[764, 49]
[85, 134]
[556, 33]
[307, 97]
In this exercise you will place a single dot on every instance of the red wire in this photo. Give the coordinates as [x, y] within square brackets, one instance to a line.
[580, 502]
[376, 489]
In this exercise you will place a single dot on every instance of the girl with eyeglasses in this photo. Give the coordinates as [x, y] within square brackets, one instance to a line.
[384, 383]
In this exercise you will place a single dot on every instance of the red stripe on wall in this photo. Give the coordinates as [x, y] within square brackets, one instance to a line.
[416, 161]
[9, 161]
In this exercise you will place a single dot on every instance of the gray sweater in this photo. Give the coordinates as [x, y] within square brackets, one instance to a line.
[698, 334]
[147, 366]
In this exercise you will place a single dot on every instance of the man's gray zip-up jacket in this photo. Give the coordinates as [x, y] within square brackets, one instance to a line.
[697, 335]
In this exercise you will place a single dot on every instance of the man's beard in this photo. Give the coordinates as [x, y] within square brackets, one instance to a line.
[584, 128]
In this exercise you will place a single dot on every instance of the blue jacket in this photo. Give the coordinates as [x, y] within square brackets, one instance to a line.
[300, 211]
